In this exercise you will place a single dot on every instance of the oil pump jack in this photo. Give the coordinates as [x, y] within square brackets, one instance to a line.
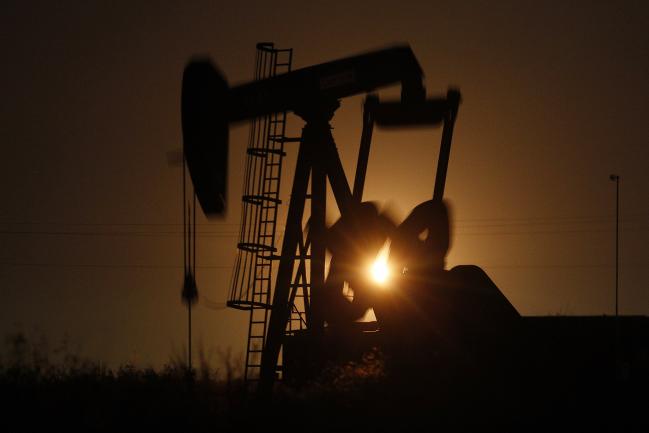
[209, 106]
[557, 354]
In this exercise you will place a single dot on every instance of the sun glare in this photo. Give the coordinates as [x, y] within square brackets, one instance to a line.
[379, 270]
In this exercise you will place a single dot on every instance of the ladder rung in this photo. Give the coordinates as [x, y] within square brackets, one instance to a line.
[255, 247]
[259, 199]
[280, 139]
[297, 257]
[261, 151]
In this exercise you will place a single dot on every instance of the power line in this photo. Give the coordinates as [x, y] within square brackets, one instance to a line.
[114, 233]
[152, 266]
[224, 234]
[468, 221]
[459, 232]
[105, 265]
[537, 232]
[546, 266]
[576, 219]
[44, 223]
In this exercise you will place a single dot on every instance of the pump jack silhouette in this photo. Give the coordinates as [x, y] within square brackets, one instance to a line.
[471, 301]
[313, 94]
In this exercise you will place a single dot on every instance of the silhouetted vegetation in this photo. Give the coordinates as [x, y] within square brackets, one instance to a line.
[78, 394]
[55, 388]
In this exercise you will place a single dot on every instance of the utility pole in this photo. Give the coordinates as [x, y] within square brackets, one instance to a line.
[189, 294]
[615, 178]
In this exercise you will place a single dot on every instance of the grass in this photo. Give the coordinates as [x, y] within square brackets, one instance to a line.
[46, 389]
[43, 389]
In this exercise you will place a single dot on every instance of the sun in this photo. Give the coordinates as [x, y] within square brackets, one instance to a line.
[379, 270]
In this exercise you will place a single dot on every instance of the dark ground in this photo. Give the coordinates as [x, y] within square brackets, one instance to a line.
[569, 374]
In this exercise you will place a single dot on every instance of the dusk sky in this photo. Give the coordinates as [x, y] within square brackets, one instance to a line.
[555, 99]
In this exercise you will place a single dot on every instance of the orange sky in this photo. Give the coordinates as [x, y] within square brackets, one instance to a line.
[556, 98]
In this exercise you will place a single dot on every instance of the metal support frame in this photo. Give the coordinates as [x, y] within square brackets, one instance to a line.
[453, 102]
[318, 159]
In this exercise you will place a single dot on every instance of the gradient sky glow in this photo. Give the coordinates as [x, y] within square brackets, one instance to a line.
[555, 98]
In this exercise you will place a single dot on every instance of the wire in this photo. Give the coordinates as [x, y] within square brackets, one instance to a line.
[110, 233]
[536, 232]
[184, 217]
[80, 224]
[486, 222]
[231, 234]
[530, 266]
[107, 265]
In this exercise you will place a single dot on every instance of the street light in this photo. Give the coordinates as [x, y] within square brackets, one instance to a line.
[615, 178]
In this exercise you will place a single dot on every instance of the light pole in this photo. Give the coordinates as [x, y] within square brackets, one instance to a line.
[615, 178]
